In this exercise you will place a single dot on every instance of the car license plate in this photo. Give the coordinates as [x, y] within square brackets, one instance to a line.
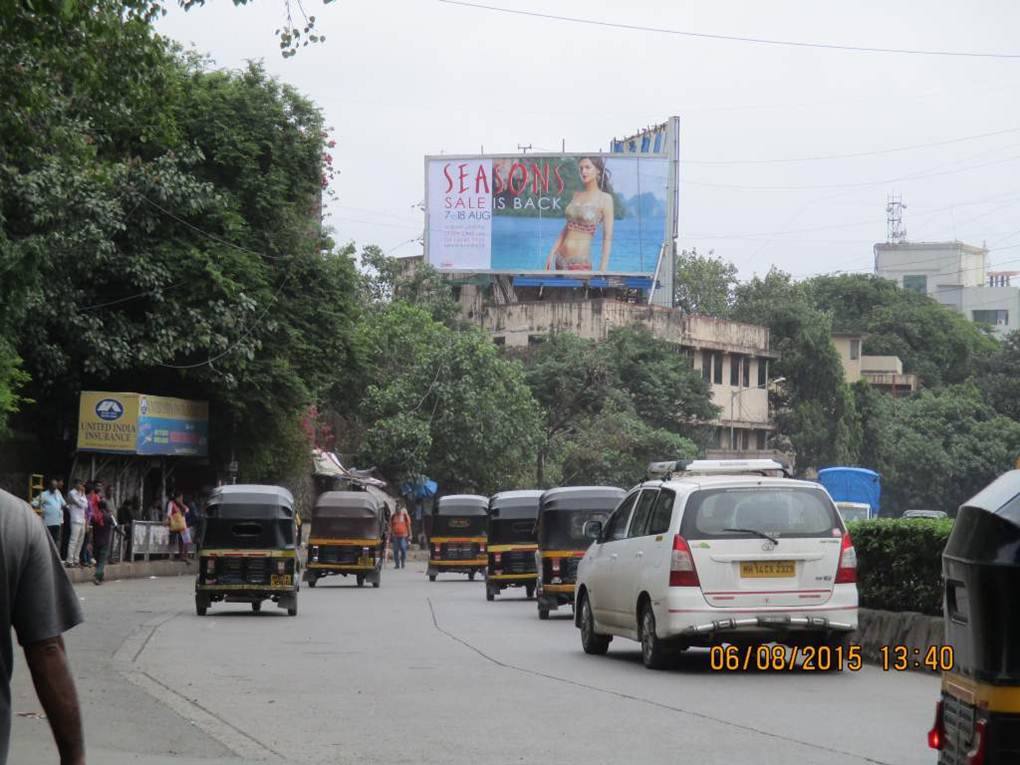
[767, 569]
[279, 579]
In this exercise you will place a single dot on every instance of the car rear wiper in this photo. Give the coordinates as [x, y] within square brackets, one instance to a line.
[762, 534]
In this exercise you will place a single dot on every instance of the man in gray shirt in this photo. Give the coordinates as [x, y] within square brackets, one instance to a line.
[38, 601]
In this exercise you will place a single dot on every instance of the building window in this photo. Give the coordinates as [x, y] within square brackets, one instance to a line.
[995, 317]
[717, 376]
[501, 340]
[734, 369]
[916, 284]
[536, 339]
[762, 436]
[747, 371]
[706, 365]
[763, 372]
[855, 350]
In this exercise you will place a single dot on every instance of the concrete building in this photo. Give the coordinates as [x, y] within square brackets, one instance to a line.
[955, 274]
[732, 357]
[883, 372]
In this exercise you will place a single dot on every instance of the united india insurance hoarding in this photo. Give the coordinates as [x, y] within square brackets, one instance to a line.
[573, 214]
[137, 423]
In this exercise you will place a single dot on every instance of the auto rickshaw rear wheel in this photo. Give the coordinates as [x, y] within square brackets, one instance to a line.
[376, 583]
[471, 575]
[361, 580]
[201, 604]
[432, 577]
[530, 589]
[312, 580]
[256, 607]
[489, 594]
[543, 613]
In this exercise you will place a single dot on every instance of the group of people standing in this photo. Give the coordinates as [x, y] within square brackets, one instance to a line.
[81, 526]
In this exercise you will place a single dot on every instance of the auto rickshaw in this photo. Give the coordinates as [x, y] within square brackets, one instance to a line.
[459, 535]
[977, 720]
[561, 541]
[512, 542]
[247, 549]
[346, 538]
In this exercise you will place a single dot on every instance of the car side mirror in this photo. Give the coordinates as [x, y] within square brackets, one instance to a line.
[593, 530]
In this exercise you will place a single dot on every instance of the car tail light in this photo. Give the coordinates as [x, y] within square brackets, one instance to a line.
[682, 572]
[556, 565]
[847, 571]
[937, 734]
[976, 756]
[281, 566]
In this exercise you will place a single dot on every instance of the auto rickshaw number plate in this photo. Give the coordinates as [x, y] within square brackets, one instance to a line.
[279, 579]
[364, 560]
[767, 569]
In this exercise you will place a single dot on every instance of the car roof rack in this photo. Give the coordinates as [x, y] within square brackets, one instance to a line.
[664, 471]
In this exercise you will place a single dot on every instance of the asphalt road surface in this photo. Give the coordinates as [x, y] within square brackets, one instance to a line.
[430, 672]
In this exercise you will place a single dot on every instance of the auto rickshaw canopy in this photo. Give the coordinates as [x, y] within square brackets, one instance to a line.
[463, 504]
[523, 503]
[250, 501]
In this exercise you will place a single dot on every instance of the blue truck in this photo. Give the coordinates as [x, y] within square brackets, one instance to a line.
[856, 491]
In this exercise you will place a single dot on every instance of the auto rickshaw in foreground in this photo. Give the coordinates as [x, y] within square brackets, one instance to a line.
[346, 538]
[561, 540]
[247, 549]
[512, 542]
[977, 719]
[459, 535]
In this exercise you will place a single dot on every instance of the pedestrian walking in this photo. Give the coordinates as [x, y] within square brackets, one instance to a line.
[176, 519]
[38, 602]
[102, 536]
[400, 533]
[126, 516]
[65, 536]
[51, 502]
[78, 508]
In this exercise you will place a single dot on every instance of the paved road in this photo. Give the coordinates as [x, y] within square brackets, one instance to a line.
[419, 672]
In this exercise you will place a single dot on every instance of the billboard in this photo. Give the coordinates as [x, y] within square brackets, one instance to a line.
[573, 214]
[137, 423]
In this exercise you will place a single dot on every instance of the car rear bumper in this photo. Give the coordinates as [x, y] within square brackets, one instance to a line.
[688, 614]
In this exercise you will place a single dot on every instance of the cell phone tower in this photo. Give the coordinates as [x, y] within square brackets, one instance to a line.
[895, 232]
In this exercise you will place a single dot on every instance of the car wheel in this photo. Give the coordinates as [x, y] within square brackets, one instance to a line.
[591, 641]
[654, 653]
[256, 607]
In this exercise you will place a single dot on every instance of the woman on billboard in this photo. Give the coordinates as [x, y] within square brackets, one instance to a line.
[587, 209]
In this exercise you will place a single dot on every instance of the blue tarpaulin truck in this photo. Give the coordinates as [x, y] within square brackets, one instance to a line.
[856, 491]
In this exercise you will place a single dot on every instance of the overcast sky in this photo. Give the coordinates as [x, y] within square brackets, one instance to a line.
[402, 79]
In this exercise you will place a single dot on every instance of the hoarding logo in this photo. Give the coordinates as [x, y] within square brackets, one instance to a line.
[109, 409]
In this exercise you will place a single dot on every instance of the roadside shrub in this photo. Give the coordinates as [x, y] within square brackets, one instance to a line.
[899, 563]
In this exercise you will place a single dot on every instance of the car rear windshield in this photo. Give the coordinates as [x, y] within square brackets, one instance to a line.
[776, 511]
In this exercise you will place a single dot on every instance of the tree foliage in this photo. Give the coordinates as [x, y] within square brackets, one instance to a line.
[443, 402]
[704, 284]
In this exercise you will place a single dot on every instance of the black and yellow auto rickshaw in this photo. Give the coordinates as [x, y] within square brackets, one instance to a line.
[460, 524]
[561, 541]
[247, 549]
[977, 720]
[346, 538]
[512, 542]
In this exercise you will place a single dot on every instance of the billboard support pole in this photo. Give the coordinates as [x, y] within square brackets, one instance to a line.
[655, 278]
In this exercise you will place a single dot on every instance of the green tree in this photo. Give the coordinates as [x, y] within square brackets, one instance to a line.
[816, 412]
[704, 284]
[938, 448]
[999, 377]
[385, 279]
[443, 402]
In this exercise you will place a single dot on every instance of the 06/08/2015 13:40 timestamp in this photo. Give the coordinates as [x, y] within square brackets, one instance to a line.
[779, 658]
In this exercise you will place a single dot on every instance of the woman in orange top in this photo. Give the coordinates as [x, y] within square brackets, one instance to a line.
[400, 532]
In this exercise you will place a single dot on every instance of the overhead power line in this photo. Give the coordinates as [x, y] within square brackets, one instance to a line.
[731, 38]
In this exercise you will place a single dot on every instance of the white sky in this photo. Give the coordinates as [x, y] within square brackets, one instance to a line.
[403, 78]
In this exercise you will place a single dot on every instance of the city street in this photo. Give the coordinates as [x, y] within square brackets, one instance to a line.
[420, 672]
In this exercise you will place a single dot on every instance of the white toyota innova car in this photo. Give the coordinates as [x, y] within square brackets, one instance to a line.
[718, 552]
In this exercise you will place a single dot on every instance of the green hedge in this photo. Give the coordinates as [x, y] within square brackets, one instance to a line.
[899, 563]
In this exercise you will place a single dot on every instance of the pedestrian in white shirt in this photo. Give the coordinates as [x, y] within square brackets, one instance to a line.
[78, 506]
